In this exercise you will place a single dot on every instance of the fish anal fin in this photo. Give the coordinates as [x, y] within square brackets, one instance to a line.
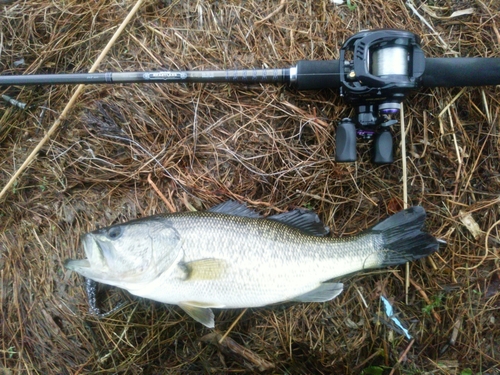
[204, 269]
[203, 315]
[324, 292]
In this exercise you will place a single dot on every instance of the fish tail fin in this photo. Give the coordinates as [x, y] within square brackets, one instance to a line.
[402, 237]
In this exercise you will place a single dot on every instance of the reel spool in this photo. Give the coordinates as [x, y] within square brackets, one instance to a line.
[378, 68]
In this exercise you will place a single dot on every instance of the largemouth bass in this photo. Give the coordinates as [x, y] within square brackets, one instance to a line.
[230, 257]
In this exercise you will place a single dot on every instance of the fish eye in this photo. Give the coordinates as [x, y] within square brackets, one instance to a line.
[114, 232]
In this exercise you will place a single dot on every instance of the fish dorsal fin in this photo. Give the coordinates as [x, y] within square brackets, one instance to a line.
[203, 269]
[305, 220]
[324, 292]
[235, 208]
[203, 315]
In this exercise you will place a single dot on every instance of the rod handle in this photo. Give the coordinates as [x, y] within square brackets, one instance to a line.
[318, 74]
[461, 71]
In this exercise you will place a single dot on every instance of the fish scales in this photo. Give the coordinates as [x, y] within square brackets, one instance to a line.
[259, 253]
[230, 257]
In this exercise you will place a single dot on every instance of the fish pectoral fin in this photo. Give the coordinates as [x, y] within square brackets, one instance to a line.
[204, 269]
[203, 315]
[324, 292]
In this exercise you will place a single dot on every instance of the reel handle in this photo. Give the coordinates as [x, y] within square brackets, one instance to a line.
[382, 148]
[345, 140]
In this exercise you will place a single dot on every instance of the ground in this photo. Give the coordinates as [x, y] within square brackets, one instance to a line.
[132, 150]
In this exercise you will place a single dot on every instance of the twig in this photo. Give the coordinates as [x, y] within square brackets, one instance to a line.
[239, 352]
[163, 198]
[486, 251]
[424, 296]
[426, 135]
[497, 33]
[317, 197]
[146, 49]
[309, 117]
[480, 153]
[445, 109]
[405, 189]
[486, 107]
[403, 157]
[71, 102]
[459, 155]
[232, 326]
[281, 6]
[122, 335]
[362, 364]
[403, 355]
[410, 5]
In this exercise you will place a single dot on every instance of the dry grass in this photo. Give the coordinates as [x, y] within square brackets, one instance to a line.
[264, 145]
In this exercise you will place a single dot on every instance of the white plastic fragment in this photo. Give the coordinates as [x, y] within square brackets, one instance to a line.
[390, 314]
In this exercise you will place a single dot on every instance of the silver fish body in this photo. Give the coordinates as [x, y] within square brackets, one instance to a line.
[230, 258]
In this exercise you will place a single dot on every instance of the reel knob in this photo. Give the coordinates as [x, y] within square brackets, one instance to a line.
[346, 141]
[382, 148]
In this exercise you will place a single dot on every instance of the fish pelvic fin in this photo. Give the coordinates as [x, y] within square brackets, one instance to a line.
[324, 292]
[203, 315]
[402, 237]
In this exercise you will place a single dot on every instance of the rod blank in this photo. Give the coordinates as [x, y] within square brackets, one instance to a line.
[204, 76]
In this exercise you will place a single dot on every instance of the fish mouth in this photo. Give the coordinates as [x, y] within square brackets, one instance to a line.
[93, 251]
[76, 264]
[95, 266]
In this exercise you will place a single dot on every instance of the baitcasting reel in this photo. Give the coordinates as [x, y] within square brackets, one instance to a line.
[378, 69]
[375, 71]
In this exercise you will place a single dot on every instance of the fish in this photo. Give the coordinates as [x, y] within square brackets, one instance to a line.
[230, 256]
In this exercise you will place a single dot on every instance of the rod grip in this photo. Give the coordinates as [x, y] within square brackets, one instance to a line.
[318, 74]
[461, 71]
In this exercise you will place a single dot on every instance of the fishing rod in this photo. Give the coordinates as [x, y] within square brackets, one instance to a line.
[375, 72]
